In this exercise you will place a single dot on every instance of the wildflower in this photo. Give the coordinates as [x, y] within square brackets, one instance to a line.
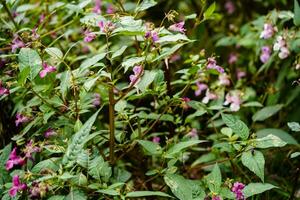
[212, 64]
[13, 160]
[153, 35]
[96, 100]
[265, 54]
[178, 27]
[42, 18]
[38, 190]
[230, 7]
[240, 74]
[89, 36]
[268, 31]
[97, 7]
[3, 90]
[193, 133]
[49, 132]
[232, 58]
[156, 139]
[21, 119]
[216, 198]
[30, 148]
[209, 96]
[47, 69]
[200, 87]
[234, 101]
[17, 186]
[137, 70]
[35, 35]
[106, 27]
[281, 46]
[224, 79]
[185, 103]
[174, 58]
[16, 44]
[110, 9]
[238, 190]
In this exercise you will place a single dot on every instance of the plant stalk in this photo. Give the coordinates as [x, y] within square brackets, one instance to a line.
[111, 125]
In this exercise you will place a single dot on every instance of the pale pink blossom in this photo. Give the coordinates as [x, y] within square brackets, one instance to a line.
[224, 79]
[153, 35]
[265, 54]
[16, 44]
[97, 7]
[212, 64]
[185, 104]
[230, 7]
[30, 148]
[89, 36]
[238, 190]
[268, 31]
[110, 9]
[49, 132]
[281, 46]
[106, 27]
[137, 70]
[156, 139]
[193, 133]
[234, 100]
[209, 96]
[178, 27]
[233, 57]
[96, 100]
[47, 69]
[200, 88]
[240, 74]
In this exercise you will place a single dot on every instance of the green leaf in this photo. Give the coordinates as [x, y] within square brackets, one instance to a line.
[132, 62]
[30, 58]
[77, 142]
[91, 61]
[295, 154]
[119, 52]
[184, 189]
[88, 84]
[177, 148]
[147, 193]
[76, 195]
[269, 141]
[46, 164]
[237, 126]
[214, 179]
[257, 188]
[255, 162]
[145, 5]
[296, 13]
[151, 147]
[54, 52]
[146, 79]
[210, 10]
[110, 192]
[154, 116]
[99, 169]
[294, 126]
[65, 83]
[173, 38]
[266, 112]
[286, 137]
[166, 52]
[129, 26]
[57, 197]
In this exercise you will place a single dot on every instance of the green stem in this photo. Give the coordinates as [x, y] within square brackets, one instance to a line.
[111, 125]
[9, 14]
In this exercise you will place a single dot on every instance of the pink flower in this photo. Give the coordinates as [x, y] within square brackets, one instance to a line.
[47, 69]
[97, 7]
[3, 90]
[265, 54]
[17, 186]
[13, 160]
[106, 27]
[234, 101]
[153, 35]
[42, 18]
[178, 27]
[193, 133]
[240, 74]
[89, 36]
[238, 190]
[96, 100]
[30, 148]
[16, 44]
[35, 35]
[232, 58]
[230, 7]
[212, 64]
[137, 70]
[268, 31]
[174, 58]
[21, 119]
[156, 139]
[185, 104]
[281, 46]
[38, 190]
[110, 9]
[216, 198]
[49, 132]
[209, 96]
[224, 79]
[200, 88]
[284, 53]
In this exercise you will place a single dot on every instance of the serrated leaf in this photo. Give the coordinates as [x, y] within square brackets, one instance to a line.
[151, 147]
[76, 195]
[177, 148]
[296, 13]
[286, 137]
[214, 179]
[91, 61]
[54, 52]
[145, 5]
[237, 126]
[257, 188]
[46, 164]
[132, 62]
[255, 162]
[269, 141]
[147, 193]
[30, 58]
[99, 169]
[166, 52]
[266, 112]
[146, 79]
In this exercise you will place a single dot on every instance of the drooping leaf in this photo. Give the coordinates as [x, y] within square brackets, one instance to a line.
[237, 126]
[255, 162]
[146, 79]
[266, 112]
[131, 62]
[145, 5]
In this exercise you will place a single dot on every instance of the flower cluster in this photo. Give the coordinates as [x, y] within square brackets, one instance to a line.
[13, 160]
[137, 70]
[234, 100]
[3, 90]
[153, 35]
[268, 31]
[17, 186]
[212, 64]
[238, 190]
[20, 119]
[281, 46]
[265, 54]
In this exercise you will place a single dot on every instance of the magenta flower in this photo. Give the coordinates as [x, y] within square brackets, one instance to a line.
[96, 100]
[200, 88]
[268, 31]
[153, 35]
[234, 100]
[16, 44]
[47, 69]
[97, 7]
[49, 132]
[3, 90]
[216, 198]
[230, 7]
[13, 160]
[240, 74]
[89, 36]
[224, 79]
[21, 119]
[209, 96]
[137, 70]
[106, 27]
[30, 148]
[212, 64]
[38, 190]
[265, 54]
[233, 57]
[17, 186]
[110, 9]
[156, 139]
[178, 27]
[238, 190]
